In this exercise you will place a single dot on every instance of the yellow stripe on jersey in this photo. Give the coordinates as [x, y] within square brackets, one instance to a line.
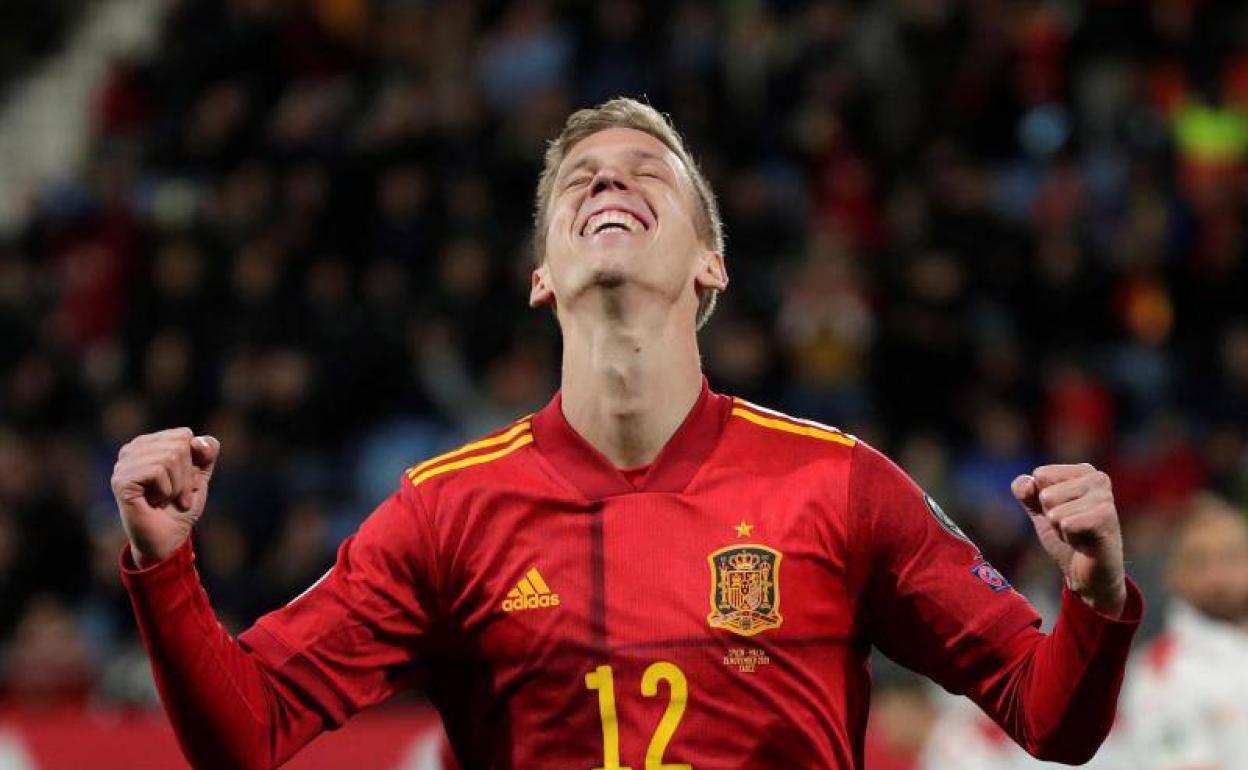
[777, 423]
[523, 440]
[526, 589]
[535, 578]
[501, 438]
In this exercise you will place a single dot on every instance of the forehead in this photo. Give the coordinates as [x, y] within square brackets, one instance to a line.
[1214, 533]
[619, 143]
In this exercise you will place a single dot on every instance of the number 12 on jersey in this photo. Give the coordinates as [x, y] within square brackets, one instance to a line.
[602, 679]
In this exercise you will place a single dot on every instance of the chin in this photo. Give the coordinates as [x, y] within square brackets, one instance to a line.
[612, 261]
[608, 279]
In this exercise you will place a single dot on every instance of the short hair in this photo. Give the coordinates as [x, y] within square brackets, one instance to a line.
[629, 113]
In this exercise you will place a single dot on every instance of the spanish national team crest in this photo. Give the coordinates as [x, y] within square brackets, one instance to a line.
[745, 589]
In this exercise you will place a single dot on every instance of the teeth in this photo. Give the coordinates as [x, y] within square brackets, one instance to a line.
[598, 221]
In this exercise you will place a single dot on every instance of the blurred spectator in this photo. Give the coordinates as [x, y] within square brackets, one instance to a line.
[826, 328]
[528, 53]
[1186, 699]
[901, 722]
[47, 664]
[982, 477]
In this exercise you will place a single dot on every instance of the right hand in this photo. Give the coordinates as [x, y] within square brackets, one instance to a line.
[160, 483]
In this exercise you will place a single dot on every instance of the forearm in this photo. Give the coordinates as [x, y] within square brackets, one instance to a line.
[226, 710]
[1058, 693]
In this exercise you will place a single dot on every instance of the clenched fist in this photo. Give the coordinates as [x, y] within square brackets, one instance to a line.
[1072, 509]
[160, 483]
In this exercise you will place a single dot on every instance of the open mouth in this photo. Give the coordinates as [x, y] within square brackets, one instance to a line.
[613, 220]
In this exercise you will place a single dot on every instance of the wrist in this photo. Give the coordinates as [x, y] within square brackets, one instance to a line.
[1110, 601]
[140, 559]
[146, 556]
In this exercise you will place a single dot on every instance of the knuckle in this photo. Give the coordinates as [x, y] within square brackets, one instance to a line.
[137, 445]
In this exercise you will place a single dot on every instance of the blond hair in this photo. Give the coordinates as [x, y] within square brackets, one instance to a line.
[629, 113]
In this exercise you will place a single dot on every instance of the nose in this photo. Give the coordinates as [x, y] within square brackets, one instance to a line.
[607, 179]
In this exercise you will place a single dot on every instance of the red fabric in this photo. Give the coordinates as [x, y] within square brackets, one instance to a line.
[419, 595]
[78, 739]
[636, 476]
[1055, 695]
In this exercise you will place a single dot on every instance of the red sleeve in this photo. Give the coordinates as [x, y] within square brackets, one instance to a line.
[933, 603]
[348, 642]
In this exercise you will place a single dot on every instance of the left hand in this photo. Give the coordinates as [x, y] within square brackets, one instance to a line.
[1072, 509]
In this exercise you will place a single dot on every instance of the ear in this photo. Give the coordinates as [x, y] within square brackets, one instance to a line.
[540, 292]
[711, 274]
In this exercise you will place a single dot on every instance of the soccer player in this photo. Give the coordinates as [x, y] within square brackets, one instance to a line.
[645, 574]
[1186, 705]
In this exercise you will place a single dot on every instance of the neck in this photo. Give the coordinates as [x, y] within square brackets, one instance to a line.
[629, 382]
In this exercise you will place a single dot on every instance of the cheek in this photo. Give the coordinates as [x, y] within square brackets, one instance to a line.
[560, 222]
[677, 216]
[556, 234]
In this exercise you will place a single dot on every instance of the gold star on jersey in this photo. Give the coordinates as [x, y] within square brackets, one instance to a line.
[745, 589]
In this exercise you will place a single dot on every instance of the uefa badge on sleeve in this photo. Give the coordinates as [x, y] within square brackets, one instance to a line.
[745, 589]
[990, 576]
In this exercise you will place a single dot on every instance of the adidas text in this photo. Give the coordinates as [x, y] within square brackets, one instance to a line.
[530, 602]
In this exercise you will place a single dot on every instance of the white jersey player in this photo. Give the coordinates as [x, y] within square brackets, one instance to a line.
[1185, 704]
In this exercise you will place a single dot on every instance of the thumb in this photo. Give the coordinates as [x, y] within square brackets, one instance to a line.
[1027, 493]
[204, 453]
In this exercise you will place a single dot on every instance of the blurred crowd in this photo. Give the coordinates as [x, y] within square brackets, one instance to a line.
[982, 235]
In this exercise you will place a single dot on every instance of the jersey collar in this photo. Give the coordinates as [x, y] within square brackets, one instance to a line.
[592, 473]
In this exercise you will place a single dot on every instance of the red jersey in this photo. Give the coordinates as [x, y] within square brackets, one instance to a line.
[713, 611]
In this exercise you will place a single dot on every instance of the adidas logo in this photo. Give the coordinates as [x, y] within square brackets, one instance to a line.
[530, 593]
